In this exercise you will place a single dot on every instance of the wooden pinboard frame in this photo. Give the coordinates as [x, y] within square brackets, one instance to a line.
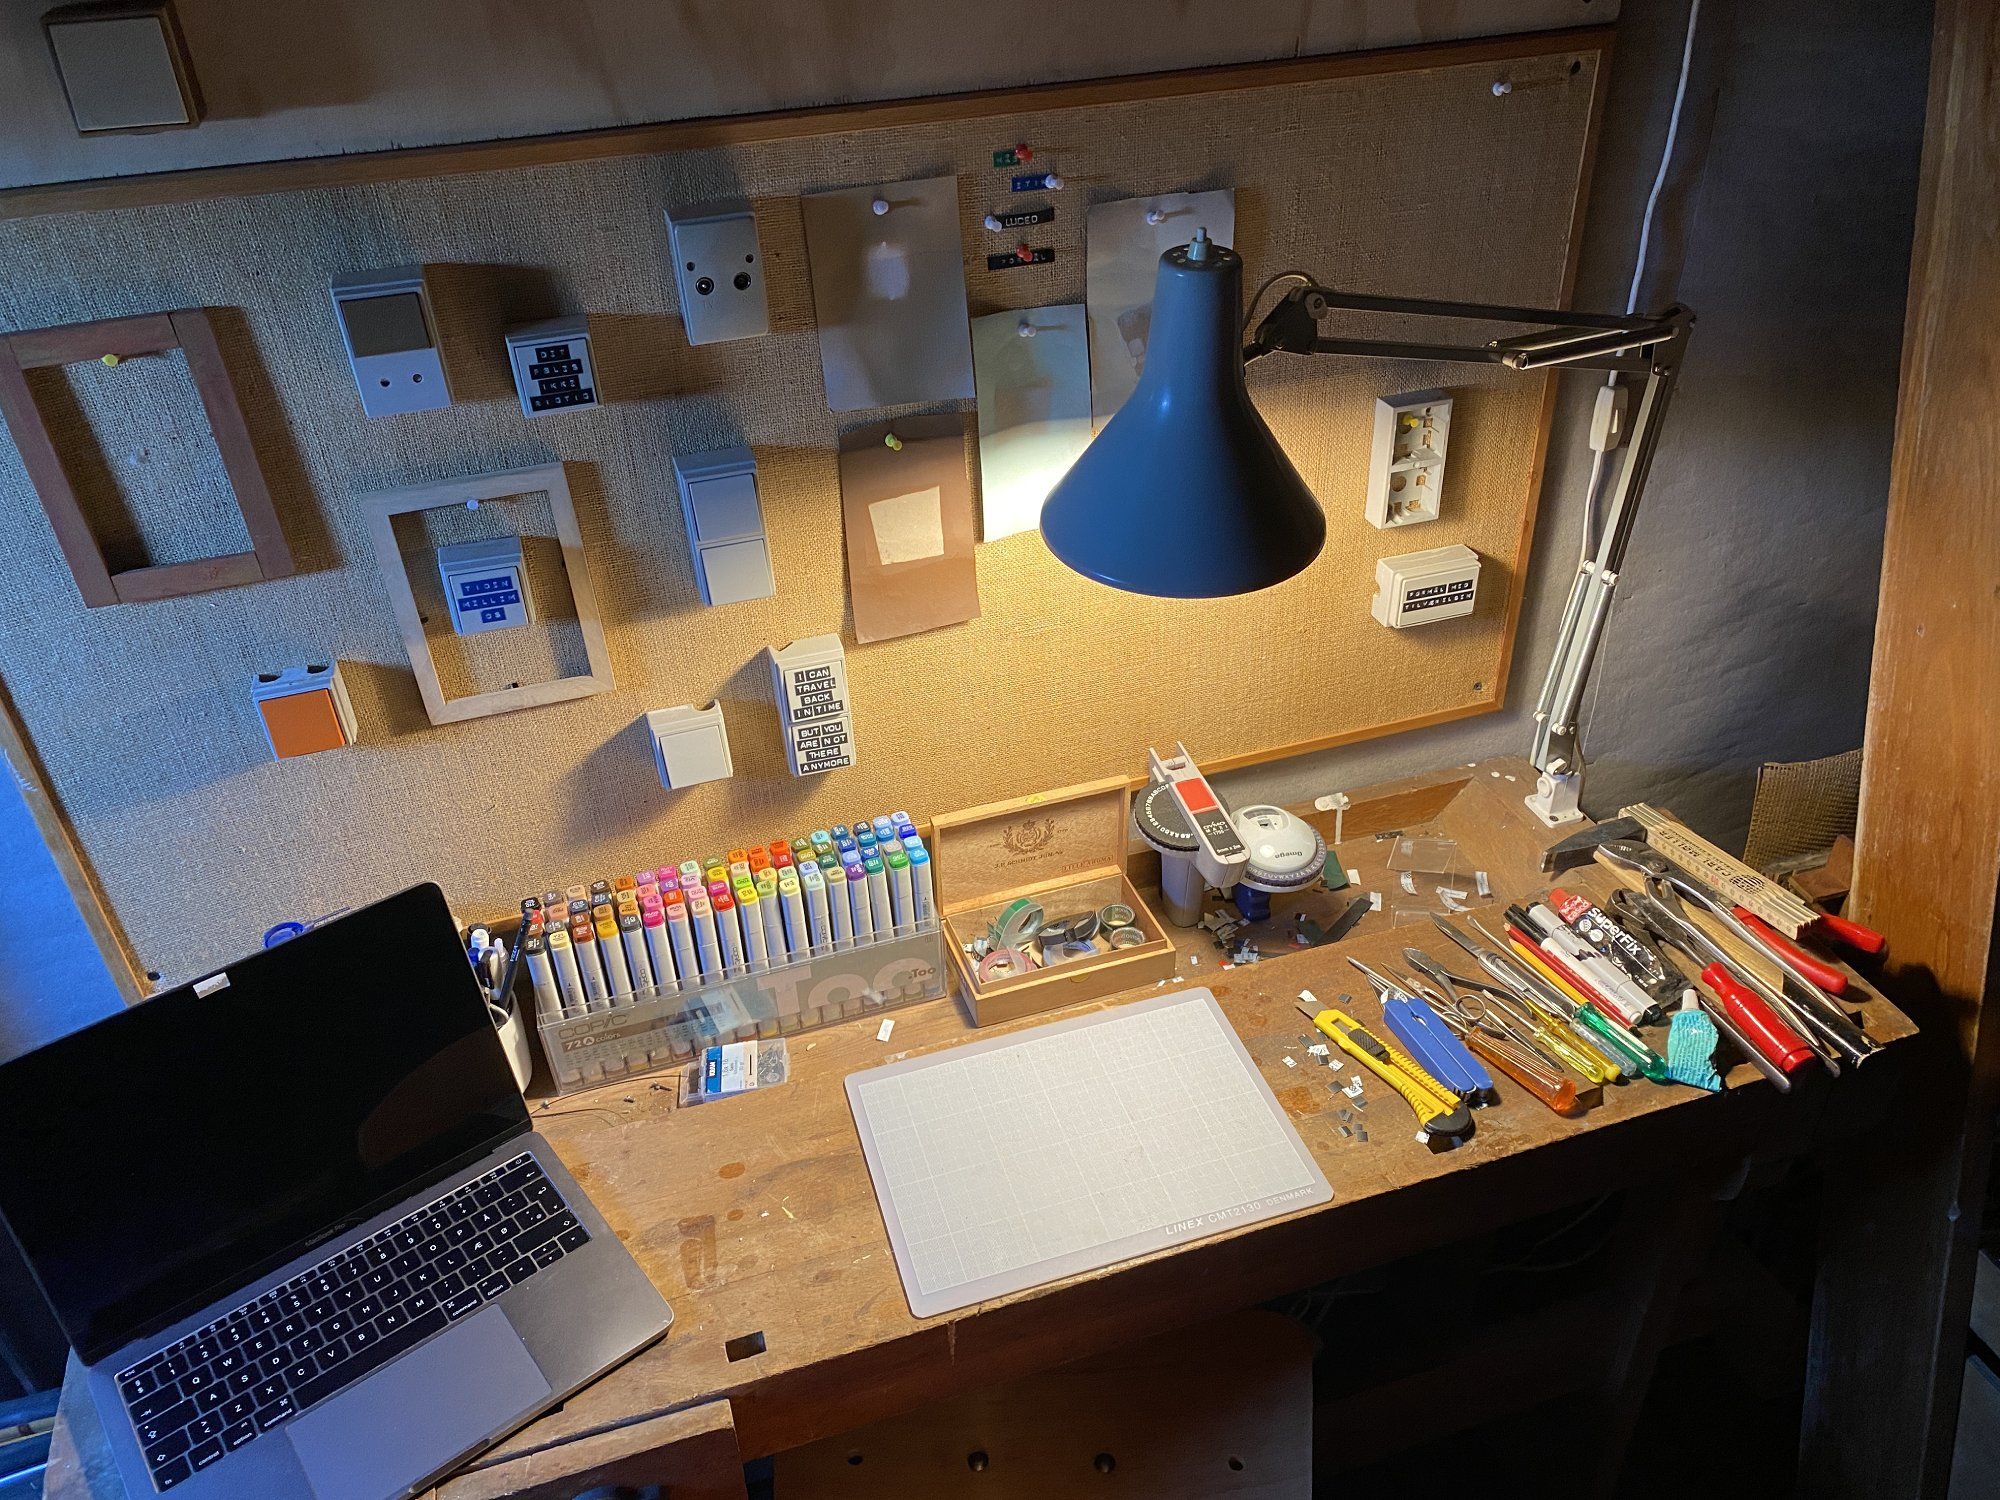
[190, 331]
[382, 508]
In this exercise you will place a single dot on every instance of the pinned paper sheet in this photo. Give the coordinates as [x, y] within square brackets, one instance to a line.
[907, 512]
[1121, 264]
[889, 293]
[1034, 410]
[908, 528]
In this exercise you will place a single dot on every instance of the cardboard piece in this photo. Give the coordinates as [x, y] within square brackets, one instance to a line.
[1121, 262]
[908, 518]
[1034, 410]
[889, 293]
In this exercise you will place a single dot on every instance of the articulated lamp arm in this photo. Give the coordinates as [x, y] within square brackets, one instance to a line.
[1636, 346]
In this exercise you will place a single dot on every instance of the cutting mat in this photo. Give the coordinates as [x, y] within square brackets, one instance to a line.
[1025, 1158]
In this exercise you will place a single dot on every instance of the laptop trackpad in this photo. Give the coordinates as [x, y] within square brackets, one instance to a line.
[412, 1417]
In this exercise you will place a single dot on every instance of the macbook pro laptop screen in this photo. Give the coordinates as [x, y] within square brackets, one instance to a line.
[170, 1153]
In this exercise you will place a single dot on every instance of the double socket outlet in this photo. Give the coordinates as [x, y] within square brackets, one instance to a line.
[719, 271]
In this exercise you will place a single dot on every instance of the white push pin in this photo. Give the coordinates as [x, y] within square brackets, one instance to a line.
[992, 222]
[1502, 88]
[1053, 183]
[879, 207]
[1025, 329]
[1156, 216]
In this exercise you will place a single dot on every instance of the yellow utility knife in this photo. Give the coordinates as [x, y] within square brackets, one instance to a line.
[1438, 1110]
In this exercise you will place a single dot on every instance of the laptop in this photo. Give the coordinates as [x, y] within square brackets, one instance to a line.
[296, 1226]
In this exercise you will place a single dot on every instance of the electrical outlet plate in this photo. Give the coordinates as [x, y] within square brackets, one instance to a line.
[1419, 588]
[719, 270]
[391, 339]
[1406, 465]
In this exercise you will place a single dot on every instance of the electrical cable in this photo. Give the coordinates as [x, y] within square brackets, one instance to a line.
[1592, 495]
[1250, 315]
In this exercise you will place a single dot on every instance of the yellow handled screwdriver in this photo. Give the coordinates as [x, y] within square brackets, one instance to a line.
[1438, 1110]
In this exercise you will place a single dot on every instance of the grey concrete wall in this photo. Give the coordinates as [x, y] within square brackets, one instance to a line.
[1747, 608]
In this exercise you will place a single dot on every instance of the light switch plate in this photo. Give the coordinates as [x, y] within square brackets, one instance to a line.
[725, 525]
[719, 271]
[690, 745]
[123, 67]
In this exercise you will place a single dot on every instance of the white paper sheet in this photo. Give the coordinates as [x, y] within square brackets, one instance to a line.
[1034, 410]
[1122, 261]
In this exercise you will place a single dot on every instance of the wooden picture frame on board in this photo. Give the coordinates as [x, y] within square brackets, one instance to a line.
[190, 331]
[381, 508]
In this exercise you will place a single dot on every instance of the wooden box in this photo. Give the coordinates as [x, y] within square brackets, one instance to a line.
[1066, 850]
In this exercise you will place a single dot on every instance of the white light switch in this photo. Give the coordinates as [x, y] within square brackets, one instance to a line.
[725, 522]
[690, 745]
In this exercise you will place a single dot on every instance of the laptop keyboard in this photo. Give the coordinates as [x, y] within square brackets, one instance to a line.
[260, 1364]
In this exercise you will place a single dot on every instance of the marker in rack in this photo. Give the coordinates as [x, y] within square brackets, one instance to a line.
[792, 907]
[902, 899]
[819, 925]
[596, 991]
[729, 933]
[757, 952]
[632, 938]
[878, 897]
[569, 978]
[839, 907]
[659, 948]
[923, 887]
[774, 922]
[616, 970]
[708, 942]
[863, 903]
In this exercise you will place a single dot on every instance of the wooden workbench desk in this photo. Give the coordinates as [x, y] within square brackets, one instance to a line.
[755, 1216]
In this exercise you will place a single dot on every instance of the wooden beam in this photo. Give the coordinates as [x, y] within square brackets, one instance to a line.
[202, 183]
[21, 762]
[1903, 1220]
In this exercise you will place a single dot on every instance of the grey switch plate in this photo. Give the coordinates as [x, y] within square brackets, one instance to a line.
[719, 270]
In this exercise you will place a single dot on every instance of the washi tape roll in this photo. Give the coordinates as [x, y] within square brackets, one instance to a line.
[1115, 916]
[1127, 937]
[1004, 963]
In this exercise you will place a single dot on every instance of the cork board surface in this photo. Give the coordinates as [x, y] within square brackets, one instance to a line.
[1416, 181]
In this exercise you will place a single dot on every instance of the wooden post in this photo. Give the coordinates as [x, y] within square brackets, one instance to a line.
[1902, 1217]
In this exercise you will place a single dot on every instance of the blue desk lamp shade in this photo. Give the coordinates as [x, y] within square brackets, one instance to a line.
[1185, 494]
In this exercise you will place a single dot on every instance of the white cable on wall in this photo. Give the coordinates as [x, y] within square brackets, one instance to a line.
[1597, 457]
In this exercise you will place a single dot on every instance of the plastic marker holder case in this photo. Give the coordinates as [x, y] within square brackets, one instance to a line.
[659, 1027]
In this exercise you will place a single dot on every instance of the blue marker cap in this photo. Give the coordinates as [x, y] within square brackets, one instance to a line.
[850, 858]
[884, 828]
[839, 831]
[919, 855]
[821, 839]
[864, 838]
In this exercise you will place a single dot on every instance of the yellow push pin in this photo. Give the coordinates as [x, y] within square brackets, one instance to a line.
[893, 443]
[110, 361]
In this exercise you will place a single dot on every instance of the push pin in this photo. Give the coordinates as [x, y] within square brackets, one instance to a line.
[110, 361]
[879, 207]
[1024, 252]
[1025, 329]
[993, 224]
[893, 443]
[1502, 88]
[1022, 153]
[1155, 216]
